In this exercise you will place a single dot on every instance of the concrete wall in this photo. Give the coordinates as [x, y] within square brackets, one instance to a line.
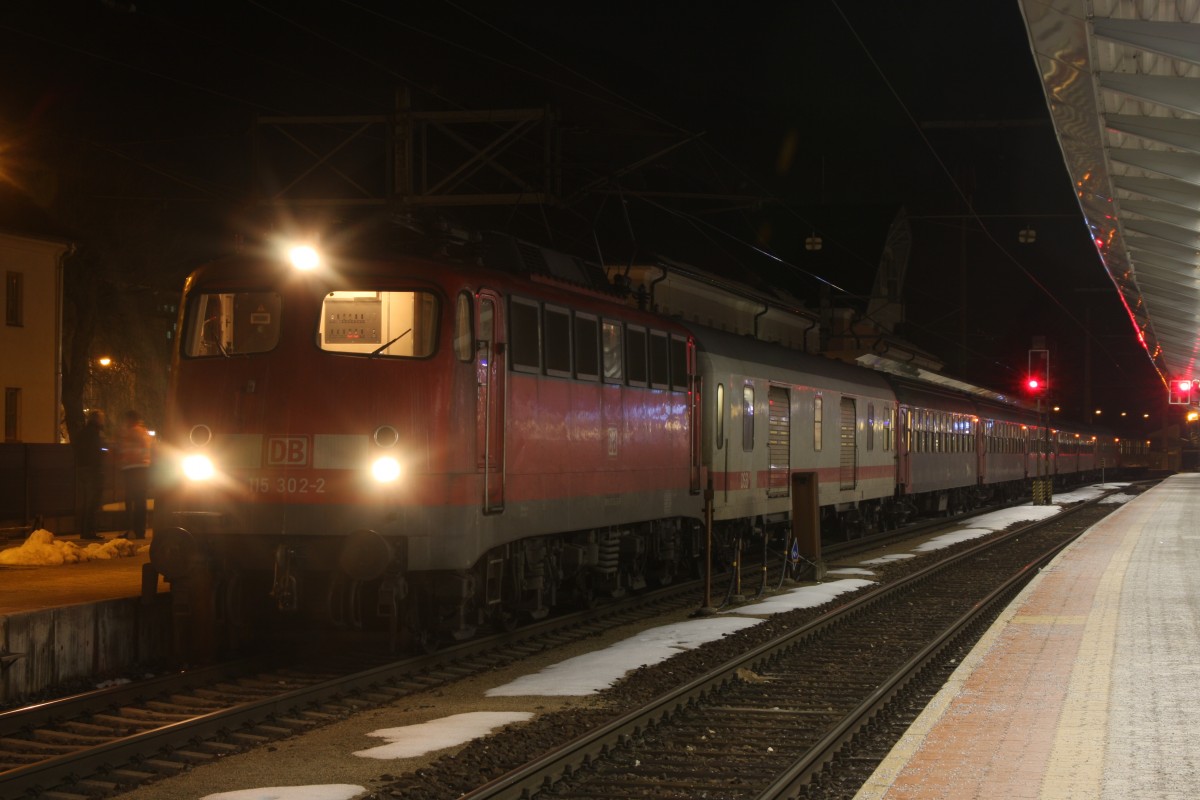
[41, 650]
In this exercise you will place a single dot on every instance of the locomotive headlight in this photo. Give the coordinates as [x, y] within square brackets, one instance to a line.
[385, 469]
[198, 468]
[304, 258]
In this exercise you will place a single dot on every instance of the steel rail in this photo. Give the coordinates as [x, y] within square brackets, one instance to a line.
[556, 765]
[32, 780]
[790, 782]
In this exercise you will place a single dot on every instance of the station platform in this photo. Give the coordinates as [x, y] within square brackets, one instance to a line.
[64, 570]
[1088, 685]
[73, 610]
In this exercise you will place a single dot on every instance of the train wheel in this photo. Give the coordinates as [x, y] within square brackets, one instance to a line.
[662, 575]
[583, 594]
[418, 632]
[345, 603]
[506, 619]
[233, 613]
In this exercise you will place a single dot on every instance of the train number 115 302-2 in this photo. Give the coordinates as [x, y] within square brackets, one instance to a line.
[287, 485]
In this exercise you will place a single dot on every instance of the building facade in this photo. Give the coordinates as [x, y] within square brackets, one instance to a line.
[31, 337]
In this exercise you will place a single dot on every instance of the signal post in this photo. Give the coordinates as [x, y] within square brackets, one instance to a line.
[1037, 383]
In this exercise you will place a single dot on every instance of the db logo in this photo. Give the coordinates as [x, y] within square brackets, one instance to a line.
[287, 451]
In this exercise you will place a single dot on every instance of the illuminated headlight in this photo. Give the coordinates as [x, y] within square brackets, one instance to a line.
[385, 469]
[304, 258]
[198, 467]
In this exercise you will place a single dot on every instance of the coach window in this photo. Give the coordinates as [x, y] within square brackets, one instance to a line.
[660, 368]
[556, 339]
[720, 415]
[613, 345]
[464, 335]
[818, 412]
[635, 355]
[747, 418]
[870, 426]
[679, 363]
[525, 335]
[587, 347]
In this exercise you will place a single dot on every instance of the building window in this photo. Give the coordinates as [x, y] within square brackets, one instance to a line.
[12, 415]
[14, 299]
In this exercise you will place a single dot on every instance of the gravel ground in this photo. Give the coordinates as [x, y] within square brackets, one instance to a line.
[324, 755]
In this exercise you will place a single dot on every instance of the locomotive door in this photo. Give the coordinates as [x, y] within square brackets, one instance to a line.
[490, 373]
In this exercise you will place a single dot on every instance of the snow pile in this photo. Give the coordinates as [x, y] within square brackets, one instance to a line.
[43, 549]
[415, 740]
[330, 791]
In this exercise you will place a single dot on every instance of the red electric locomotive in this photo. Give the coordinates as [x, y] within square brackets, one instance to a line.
[396, 437]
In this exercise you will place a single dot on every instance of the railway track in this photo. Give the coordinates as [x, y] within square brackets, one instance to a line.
[104, 742]
[799, 715]
[111, 740]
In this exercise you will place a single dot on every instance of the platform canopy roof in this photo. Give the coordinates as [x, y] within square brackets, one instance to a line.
[1122, 82]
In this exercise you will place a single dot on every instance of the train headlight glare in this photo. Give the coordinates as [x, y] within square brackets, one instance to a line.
[198, 467]
[385, 469]
[304, 258]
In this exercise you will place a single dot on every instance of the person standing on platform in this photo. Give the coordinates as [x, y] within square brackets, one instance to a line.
[89, 461]
[133, 455]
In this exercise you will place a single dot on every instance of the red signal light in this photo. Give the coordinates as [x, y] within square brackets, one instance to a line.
[1184, 386]
[1035, 384]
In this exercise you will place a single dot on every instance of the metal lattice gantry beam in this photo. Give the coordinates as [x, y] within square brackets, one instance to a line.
[1122, 82]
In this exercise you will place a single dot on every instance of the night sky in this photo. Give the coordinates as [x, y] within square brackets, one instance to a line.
[790, 117]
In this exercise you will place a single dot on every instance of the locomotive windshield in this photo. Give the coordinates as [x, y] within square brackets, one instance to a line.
[383, 324]
[231, 323]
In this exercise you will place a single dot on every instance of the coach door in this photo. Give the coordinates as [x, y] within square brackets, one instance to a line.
[490, 374]
[779, 442]
[848, 461]
[904, 445]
